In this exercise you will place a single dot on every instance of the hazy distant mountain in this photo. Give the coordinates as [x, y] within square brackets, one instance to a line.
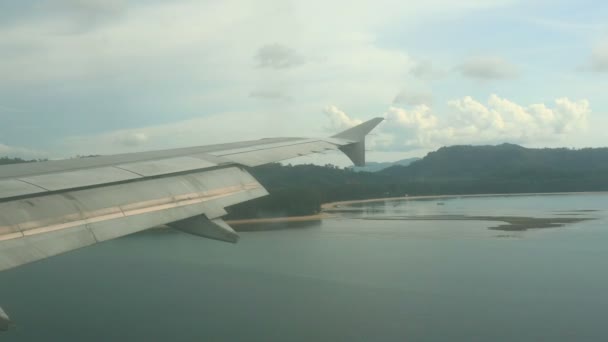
[376, 166]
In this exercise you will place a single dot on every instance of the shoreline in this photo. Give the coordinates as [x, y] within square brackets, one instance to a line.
[333, 205]
[313, 217]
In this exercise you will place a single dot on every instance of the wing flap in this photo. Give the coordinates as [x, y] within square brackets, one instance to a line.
[40, 227]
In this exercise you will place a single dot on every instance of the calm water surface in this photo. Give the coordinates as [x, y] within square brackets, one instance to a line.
[341, 279]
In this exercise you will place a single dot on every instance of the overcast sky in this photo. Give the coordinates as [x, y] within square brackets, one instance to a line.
[108, 76]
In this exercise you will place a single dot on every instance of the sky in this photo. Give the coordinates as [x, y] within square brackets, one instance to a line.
[81, 77]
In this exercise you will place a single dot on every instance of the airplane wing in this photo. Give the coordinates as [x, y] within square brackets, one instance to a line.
[48, 208]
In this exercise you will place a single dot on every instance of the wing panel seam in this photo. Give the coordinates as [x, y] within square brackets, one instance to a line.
[269, 148]
[133, 172]
[185, 200]
[36, 185]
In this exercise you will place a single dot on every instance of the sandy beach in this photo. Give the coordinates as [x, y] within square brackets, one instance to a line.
[280, 219]
[333, 205]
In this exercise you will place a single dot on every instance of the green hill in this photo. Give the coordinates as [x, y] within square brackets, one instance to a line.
[506, 160]
[505, 168]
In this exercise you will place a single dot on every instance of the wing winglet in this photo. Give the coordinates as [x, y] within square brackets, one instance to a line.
[358, 133]
[355, 151]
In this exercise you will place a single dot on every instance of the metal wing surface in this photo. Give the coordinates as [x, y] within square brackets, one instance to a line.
[48, 208]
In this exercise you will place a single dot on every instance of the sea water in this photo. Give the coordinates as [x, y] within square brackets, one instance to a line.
[355, 276]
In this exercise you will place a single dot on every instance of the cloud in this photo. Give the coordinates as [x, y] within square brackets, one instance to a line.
[270, 95]
[565, 26]
[167, 63]
[225, 127]
[467, 122]
[63, 16]
[103, 6]
[471, 122]
[409, 128]
[276, 56]
[599, 58]
[90, 9]
[339, 120]
[425, 70]
[132, 139]
[504, 120]
[487, 68]
[413, 98]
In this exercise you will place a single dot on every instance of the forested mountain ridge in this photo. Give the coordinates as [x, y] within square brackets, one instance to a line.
[506, 160]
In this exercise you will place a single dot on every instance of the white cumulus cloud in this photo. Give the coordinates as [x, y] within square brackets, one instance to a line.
[339, 119]
[410, 127]
[469, 121]
[507, 120]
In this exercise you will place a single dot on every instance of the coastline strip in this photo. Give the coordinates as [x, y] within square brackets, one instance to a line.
[333, 205]
[313, 217]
